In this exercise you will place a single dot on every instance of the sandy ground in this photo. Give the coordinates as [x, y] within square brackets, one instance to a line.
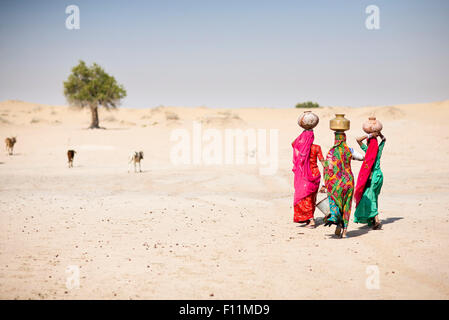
[211, 232]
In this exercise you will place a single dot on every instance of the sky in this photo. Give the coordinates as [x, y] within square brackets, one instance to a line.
[229, 54]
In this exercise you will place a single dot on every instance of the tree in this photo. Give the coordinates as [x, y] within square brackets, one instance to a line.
[307, 105]
[92, 87]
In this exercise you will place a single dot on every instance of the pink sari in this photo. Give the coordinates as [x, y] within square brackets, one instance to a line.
[305, 183]
[365, 170]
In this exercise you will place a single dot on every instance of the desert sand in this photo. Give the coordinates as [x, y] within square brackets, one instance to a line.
[211, 231]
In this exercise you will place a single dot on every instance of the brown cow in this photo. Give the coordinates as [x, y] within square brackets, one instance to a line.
[10, 142]
[70, 156]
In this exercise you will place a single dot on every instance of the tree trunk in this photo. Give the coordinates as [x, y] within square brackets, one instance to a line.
[94, 123]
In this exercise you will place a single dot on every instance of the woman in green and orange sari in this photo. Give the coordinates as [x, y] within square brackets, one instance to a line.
[339, 183]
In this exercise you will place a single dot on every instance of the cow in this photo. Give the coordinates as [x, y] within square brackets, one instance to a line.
[70, 156]
[135, 158]
[10, 142]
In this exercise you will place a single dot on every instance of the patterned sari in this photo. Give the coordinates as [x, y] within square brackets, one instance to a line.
[339, 181]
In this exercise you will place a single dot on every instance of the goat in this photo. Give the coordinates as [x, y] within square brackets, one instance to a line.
[10, 142]
[135, 158]
[70, 156]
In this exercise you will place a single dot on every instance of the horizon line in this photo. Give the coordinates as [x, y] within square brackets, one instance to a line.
[208, 107]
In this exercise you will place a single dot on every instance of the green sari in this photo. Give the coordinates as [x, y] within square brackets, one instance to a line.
[367, 208]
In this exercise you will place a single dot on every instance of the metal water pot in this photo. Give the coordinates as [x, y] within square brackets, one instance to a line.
[339, 123]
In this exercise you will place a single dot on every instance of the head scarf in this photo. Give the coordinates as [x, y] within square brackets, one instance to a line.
[365, 170]
[305, 183]
[338, 176]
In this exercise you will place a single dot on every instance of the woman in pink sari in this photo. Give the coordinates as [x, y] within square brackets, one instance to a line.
[307, 177]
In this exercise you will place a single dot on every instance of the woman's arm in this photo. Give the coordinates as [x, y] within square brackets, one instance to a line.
[382, 144]
[366, 136]
[356, 155]
[360, 139]
[320, 157]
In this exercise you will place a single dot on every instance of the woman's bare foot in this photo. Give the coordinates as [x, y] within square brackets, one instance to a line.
[377, 225]
[338, 231]
[311, 224]
[343, 234]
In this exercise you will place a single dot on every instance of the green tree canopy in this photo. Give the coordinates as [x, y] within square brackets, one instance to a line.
[307, 105]
[91, 86]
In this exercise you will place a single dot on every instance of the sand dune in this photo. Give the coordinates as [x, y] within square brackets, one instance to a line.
[211, 231]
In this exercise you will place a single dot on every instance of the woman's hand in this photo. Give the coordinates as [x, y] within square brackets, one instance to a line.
[323, 163]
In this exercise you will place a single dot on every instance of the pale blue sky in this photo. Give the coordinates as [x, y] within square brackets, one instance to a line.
[231, 53]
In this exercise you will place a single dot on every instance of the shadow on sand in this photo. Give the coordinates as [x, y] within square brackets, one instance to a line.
[355, 233]
[143, 171]
[365, 229]
[318, 222]
[104, 128]
[116, 128]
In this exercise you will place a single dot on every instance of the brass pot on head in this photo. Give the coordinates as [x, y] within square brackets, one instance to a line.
[339, 123]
